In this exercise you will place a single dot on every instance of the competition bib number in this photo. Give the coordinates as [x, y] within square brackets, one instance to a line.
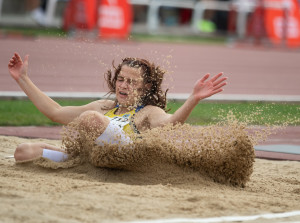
[120, 121]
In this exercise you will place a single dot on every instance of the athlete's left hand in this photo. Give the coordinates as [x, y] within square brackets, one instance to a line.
[207, 87]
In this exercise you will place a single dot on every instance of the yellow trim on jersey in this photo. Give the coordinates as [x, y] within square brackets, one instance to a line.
[127, 128]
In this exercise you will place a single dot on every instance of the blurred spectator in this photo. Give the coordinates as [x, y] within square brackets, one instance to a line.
[207, 24]
[221, 19]
[214, 20]
[37, 10]
[140, 13]
[169, 15]
[185, 16]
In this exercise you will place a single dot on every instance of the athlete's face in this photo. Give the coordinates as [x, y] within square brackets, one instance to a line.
[129, 86]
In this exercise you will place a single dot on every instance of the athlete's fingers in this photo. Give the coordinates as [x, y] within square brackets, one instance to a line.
[206, 76]
[18, 58]
[220, 85]
[216, 76]
[220, 81]
[26, 58]
[11, 62]
[13, 58]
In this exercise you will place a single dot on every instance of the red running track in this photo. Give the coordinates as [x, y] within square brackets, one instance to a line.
[78, 66]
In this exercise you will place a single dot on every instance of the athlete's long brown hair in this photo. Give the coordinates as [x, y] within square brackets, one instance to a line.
[152, 75]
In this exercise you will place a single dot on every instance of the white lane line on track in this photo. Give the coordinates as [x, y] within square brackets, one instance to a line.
[222, 219]
[170, 96]
[280, 148]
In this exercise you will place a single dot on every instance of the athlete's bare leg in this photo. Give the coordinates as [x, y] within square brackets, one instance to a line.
[29, 151]
[89, 121]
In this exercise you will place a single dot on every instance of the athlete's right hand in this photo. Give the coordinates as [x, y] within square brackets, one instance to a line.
[17, 68]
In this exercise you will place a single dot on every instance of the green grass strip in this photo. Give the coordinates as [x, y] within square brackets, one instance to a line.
[188, 39]
[24, 113]
[252, 113]
[33, 32]
[140, 37]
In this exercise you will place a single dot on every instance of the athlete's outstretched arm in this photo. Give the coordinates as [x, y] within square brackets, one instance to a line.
[203, 88]
[18, 70]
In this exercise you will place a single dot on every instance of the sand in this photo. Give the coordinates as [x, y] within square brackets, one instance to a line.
[85, 193]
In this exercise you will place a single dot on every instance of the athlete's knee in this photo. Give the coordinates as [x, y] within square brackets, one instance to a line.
[92, 119]
[92, 115]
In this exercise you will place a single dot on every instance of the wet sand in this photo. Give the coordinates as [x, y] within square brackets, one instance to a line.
[89, 194]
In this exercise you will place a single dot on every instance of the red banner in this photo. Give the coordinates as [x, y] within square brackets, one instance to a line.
[282, 19]
[80, 14]
[114, 18]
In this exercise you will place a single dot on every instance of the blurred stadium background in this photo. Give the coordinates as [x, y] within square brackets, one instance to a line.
[258, 21]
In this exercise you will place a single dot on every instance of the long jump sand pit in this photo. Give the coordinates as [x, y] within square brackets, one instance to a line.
[85, 193]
